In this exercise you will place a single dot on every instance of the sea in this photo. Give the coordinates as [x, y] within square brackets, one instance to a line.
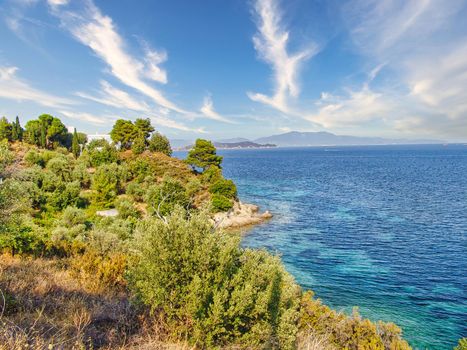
[381, 228]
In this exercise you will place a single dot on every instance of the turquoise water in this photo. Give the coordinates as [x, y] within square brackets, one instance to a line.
[384, 228]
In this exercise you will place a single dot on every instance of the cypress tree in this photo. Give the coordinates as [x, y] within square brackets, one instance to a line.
[19, 130]
[43, 140]
[75, 144]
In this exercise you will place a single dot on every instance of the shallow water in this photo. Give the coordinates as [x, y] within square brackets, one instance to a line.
[384, 228]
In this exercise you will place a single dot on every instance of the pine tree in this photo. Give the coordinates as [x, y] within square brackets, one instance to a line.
[75, 145]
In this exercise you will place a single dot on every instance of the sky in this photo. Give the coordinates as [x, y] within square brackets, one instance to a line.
[239, 68]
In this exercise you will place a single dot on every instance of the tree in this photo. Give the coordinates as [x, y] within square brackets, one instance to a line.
[139, 145]
[82, 138]
[32, 133]
[160, 143]
[203, 155]
[144, 127]
[124, 132]
[46, 131]
[19, 130]
[5, 129]
[57, 133]
[75, 149]
[43, 137]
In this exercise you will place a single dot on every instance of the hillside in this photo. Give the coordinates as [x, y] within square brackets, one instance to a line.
[157, 273]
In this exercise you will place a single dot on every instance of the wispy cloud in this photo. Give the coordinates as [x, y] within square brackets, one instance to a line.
[357, 107]
[422, 44]
[111, 96]
[99, 33]
[208, 111]
[88, 117]
[271, 44]
[14, 88]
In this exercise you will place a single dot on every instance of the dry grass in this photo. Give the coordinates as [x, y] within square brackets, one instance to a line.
[43, 307]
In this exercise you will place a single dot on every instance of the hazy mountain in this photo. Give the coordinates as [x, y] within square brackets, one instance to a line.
[233, 140]
[295, 138]
[180, 143]
[243, 144]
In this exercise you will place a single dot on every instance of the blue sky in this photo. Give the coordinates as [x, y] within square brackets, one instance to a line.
[229, 68]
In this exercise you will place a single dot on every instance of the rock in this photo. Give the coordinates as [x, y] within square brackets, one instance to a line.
[242, 214]
[109, 213]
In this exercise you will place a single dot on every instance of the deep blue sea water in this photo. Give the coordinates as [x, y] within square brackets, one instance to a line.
[381, 227]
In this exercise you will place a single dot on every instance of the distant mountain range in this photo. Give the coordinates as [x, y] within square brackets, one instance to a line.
[242, 144]
[322, 138]
[303, 139]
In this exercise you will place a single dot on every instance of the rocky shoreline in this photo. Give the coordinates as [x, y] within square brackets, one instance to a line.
[242, 214]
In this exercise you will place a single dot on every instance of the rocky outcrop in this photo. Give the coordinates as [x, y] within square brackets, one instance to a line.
[242, 214]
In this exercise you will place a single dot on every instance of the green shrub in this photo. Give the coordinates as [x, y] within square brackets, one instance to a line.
[163, 198]
[62, 167]
[136, 191]
[347, 332]
[126, 209]
[462, 345]
[160, 143]
[101, 152]
[106, 185]
[221, 203]
[80, 173]
[64, 195]
[73, 216]
[32, 157]
[211, 175]
[225, 188]
[209, 289]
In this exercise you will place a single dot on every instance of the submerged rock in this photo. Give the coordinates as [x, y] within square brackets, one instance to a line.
[242, 214]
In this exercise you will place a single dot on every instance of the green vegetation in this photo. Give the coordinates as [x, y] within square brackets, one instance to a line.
[157, 271]
[203, 155]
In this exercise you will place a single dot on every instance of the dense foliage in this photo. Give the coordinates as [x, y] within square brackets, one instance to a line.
[203, 155]
[158, 246]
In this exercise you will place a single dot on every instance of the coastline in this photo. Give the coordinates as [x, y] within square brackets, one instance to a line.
[241, 215]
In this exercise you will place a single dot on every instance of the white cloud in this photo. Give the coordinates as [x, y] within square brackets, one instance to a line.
[57, 2]
[88, 117]
[208, 110]
[271, 44]
[111, 96]
[98, 32]
[357, 108]
[14, 88]
[425, 50]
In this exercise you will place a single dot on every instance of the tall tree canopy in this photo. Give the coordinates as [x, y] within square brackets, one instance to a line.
[5, 129]
[124, 132]
[203, 155]
[46, 131]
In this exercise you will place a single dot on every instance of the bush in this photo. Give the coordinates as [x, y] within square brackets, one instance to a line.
[65, 194]
[32, 157]
[221, 203]
[73, 216]
[225, 188]
[136, 191]
[347, 332]
[211, 290]
[163, 198]
[126, 209]
[101, 152]
[81, 174]
[160, 143]
[106, 185]
[62, 167]
[462, 345]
